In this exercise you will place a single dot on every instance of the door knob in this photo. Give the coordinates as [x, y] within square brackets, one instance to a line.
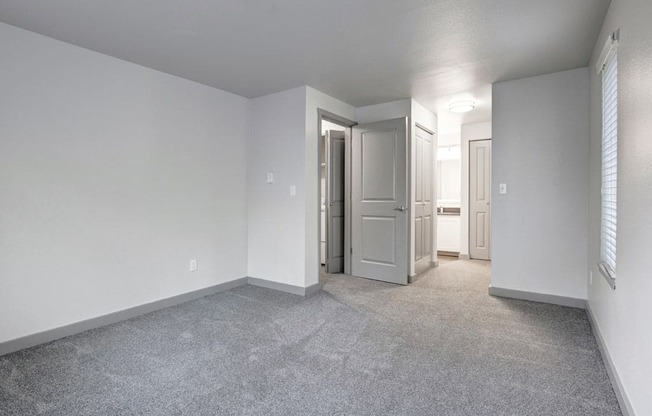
[400, 209]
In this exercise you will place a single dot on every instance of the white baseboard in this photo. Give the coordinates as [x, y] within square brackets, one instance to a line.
[623, 400]
[537, 297]
[464, 256]
[284, 287]
[111, 318]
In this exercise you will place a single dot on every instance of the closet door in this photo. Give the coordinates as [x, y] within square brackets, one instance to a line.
[423, 206]
[480, 199]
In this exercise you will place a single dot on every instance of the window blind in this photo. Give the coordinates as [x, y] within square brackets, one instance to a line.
[609, 215]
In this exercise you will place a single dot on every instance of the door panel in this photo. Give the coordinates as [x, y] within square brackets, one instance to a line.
[480, 199]
[335, 151]
[378, 200]
[418, 192]
[480, 240]
[427, 235]
[379, 240]
[418, 240]
[378, 166]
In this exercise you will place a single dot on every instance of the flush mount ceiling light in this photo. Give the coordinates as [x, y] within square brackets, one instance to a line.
[462, 106]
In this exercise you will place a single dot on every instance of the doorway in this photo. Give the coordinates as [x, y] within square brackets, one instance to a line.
[449, 197]
[334, 139]
[369, 236]
[332, 186]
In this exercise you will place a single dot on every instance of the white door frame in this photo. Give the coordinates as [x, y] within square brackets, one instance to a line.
[347, 124]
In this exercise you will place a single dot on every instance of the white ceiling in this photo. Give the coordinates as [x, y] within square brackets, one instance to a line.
[362, 51]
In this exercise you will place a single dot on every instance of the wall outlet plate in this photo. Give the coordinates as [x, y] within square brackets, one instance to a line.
[193, 265]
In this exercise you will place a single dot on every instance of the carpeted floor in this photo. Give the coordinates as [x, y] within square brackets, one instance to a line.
[440, 346]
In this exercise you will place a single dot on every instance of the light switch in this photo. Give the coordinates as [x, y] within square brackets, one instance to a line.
[270, 177]
[502, 188]
[293, 190]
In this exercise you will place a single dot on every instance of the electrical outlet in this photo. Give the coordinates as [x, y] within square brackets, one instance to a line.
[293, 190]
[193, 265]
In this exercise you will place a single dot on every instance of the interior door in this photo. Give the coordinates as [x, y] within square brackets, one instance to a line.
[335, 151]
[379, 223]
[480, 199]
[423, 206]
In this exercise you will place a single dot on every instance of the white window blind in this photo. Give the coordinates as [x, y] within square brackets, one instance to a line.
[608, 226]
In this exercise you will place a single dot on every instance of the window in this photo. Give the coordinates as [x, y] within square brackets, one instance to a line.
[608, 66]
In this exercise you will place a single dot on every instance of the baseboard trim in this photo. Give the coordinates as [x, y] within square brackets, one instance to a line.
[537, 297]
[464, 256]
[422, 267]
[284, 287]
[114, 317]
[623, 400]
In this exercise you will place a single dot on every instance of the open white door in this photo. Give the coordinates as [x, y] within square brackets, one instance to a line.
[379, 223]
[335, 151]
[480, 199]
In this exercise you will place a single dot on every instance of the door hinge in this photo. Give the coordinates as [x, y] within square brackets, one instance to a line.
[351, 250]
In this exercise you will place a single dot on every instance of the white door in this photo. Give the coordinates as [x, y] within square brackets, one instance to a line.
[423, 215]
[480, 199]
[335, 150]
[379, 223]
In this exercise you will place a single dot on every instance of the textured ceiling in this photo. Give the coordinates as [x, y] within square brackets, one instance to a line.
[362, 52]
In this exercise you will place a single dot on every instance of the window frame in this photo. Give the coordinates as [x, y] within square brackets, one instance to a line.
[608, 70]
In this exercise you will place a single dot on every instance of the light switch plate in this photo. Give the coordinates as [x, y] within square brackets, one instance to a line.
[293, 190]
[502, 188]
[270, 177]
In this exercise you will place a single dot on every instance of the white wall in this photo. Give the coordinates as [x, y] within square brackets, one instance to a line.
[112, 177]
[384, 111]
[623, 315]
[540, 150]
[449, 139]
[316, 100]
[469, 132]
[449, 192]
[284, 230]
[276, 219]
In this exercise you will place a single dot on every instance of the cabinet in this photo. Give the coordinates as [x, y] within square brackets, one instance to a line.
[448, 233]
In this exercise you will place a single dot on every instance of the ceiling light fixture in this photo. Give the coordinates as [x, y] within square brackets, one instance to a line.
[461, 106]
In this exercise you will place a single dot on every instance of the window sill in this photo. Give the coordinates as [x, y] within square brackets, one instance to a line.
[611, 280]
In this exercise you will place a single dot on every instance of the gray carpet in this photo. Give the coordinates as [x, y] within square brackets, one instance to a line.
[440, 346]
